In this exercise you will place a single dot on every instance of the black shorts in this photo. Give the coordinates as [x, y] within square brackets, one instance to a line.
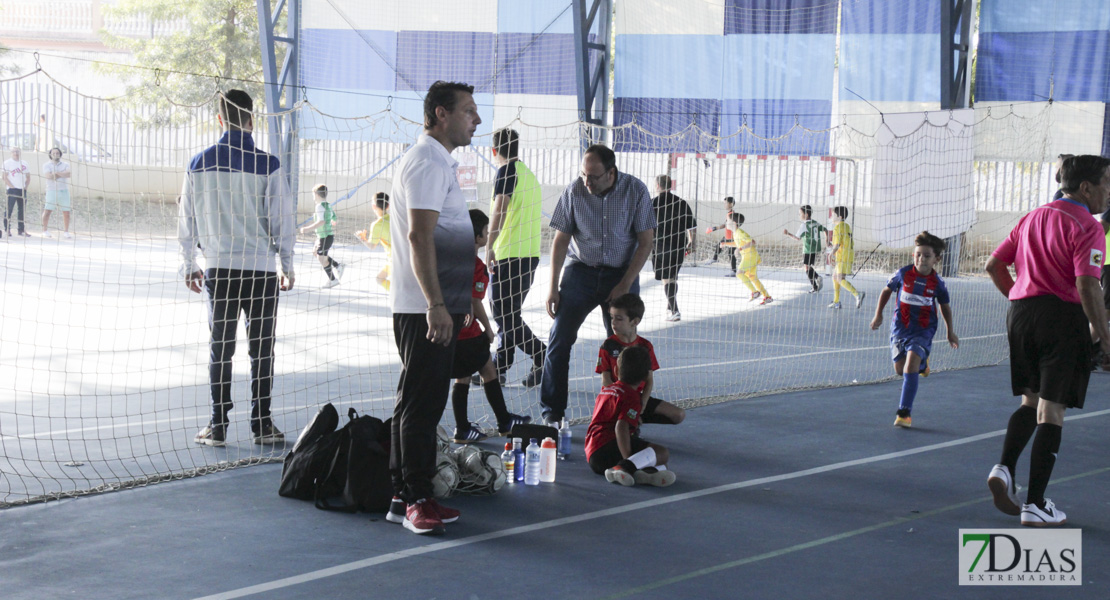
[323, 245]
[667, 262]
[809, 258]
[1105, 280]
[1050, 349]
[470, 355]
[607, 456]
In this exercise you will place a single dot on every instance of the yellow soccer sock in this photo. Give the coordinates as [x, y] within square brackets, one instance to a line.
[836, 290]
[848, 286]
[759, 284]
[743, 277]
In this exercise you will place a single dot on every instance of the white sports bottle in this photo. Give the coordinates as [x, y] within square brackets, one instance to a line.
[547, 461]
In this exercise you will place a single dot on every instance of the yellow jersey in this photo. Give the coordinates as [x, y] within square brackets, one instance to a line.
[842, 237]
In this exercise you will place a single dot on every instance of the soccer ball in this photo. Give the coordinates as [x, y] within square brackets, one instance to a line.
[446, 478]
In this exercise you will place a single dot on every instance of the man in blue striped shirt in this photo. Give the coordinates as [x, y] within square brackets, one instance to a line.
[604, 227]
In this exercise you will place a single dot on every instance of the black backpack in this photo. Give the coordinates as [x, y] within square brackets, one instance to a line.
[345, 470]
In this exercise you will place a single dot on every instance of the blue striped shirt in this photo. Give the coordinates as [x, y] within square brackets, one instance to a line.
[603, 228]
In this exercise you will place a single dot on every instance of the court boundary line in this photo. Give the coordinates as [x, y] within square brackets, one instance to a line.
[286, 582]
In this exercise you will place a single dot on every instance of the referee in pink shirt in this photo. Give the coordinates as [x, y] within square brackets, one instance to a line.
[1058, 252]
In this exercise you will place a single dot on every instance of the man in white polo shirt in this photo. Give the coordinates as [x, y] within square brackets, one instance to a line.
[433, 269]
[17, 178]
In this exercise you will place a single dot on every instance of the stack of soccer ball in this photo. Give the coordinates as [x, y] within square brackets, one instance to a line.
[466, 469]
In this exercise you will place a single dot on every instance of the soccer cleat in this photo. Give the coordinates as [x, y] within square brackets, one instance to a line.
[902, 419]
[859, 299]
[767, 300]
[469, 435]
[339, 271]
[1049, 516]
[506, 428]
[820, 283]
[45, 234]
[674, 316]
[535, 376]
[422, 518]
[732, 274]
[212, 435]
[67, 235]
[268, 434]
[653, 476]
[1001, 485]
[811, 290]
[396, 512]
[447, 515]
[835, 305]
[754, 296]
[330, 284]
[619, 475]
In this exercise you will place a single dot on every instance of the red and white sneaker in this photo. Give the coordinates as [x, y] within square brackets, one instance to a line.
[447, 515]
[397, 510]
[421, 518]
[767, 300]
[619, 475]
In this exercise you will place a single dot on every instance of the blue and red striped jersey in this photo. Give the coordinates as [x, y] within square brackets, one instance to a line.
[918, 296]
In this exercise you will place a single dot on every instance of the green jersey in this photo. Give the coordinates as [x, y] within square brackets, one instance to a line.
[810, 233]
[325, 213]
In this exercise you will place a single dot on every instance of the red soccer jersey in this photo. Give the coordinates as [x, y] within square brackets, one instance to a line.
[618, 402]
[611, 348]
[481, 282]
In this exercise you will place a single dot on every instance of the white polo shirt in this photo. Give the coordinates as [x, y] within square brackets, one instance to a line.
[426, 179]
[17, 171]
[62, 183]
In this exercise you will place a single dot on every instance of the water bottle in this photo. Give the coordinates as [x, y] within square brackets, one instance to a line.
[532, 464]
[564, 441]
[518, 462]
[547, 461]
[509, 460]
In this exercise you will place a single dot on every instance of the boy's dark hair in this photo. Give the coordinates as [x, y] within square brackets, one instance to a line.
[507, 143]
[927, 239]
[807, 210]
[381, 200]
[445, 94]
[605, 155]
[730, 200]
[841, 211]
[479, 220]
[320, 190]
[1061, 158]
[633, 365]
[664, 182]
[737, 218]
[1077, 169]
[631, 304]
[235, 107]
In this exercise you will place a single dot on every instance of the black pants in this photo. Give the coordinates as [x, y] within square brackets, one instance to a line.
[17, 198]
[421, 397]
[254, 293]
[731, 255]
[510, 282]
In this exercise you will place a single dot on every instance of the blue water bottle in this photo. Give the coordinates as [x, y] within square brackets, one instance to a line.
[518, 464]
[564, 441]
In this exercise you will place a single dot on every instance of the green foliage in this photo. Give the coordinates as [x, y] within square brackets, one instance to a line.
[218, 49]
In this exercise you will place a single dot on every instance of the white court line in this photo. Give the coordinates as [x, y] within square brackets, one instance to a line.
[50, 434]
[621, 510]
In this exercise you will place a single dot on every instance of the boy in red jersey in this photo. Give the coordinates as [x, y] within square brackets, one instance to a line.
[613, 446]
[626, 313]
[921, 292]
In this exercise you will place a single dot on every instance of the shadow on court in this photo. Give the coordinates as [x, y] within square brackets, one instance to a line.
[800, 495]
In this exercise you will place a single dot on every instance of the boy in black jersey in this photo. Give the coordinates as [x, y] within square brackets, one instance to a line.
[626, 313]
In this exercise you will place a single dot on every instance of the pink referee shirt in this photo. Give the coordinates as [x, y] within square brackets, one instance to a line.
[1050, 247]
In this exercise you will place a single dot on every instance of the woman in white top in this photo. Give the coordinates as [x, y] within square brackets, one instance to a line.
[56, 172]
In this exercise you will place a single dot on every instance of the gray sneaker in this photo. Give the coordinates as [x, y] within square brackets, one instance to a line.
[212, 435]
[268, 434]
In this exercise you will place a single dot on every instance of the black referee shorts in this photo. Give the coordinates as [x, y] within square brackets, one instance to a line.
[1050, 349]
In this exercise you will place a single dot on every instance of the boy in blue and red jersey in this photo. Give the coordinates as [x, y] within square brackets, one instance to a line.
[920, 292]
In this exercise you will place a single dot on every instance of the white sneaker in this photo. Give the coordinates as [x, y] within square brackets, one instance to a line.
[820, 283]
[339, 272]
[674, 316]
[330, 284]
[1004, 491]
[653, 476]
[47, 234]
[1033, 516]
[67, 235]
[835, 305]
[859, 299]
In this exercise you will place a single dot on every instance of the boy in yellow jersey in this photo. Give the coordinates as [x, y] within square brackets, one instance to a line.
[843, 249]
[379, 234]
[749, 258]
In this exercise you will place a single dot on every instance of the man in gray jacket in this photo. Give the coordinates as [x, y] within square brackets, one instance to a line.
[237, 206]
